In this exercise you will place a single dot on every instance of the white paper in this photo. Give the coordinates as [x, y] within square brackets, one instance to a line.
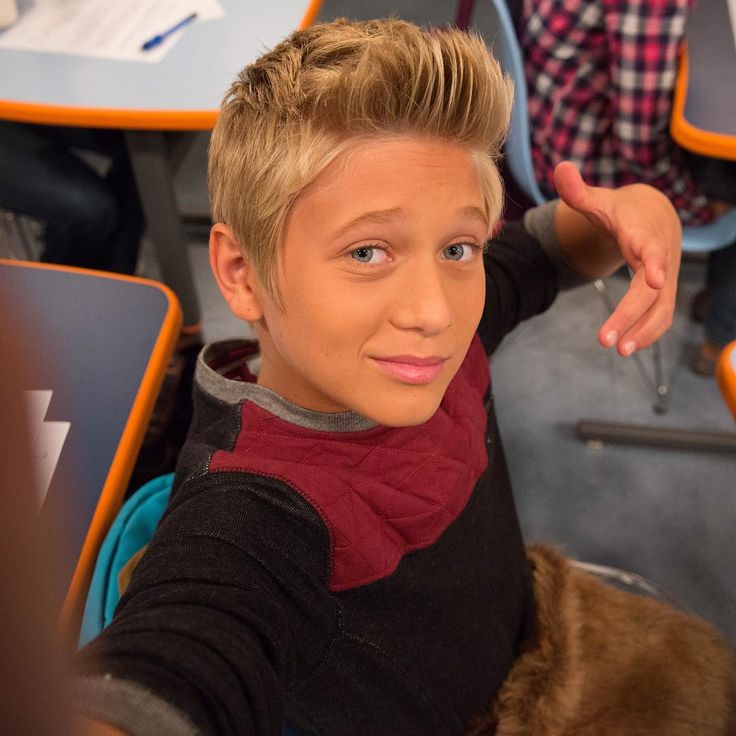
[105, 29]
[47, 441]
[732, 14]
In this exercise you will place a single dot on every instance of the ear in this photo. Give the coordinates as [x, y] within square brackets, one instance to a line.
[234, 274]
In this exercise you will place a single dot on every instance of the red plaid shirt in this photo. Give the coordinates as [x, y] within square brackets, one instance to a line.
[600, 75]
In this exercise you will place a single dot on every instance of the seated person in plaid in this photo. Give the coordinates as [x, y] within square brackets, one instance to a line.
[600, 75]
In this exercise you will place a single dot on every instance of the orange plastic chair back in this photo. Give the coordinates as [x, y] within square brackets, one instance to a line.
[726, 375]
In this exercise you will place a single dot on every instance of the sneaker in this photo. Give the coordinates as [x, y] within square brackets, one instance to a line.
[705, 359]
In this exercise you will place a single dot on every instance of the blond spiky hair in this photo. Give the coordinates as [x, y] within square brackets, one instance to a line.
[289, 114]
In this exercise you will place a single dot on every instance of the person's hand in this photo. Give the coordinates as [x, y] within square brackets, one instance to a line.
[647, 232]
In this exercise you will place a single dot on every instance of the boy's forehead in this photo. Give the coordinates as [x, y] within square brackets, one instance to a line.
[389, 181]
[370, 164]
[425, 149]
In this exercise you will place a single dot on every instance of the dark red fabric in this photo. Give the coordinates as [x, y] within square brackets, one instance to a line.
[381, 492]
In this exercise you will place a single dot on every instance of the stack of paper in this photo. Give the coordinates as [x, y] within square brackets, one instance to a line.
[105, 29]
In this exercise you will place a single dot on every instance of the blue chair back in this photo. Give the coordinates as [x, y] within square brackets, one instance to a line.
[518, 149]
[505, 45]
[713, 236]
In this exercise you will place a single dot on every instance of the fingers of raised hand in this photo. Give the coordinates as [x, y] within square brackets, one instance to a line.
[642, 316]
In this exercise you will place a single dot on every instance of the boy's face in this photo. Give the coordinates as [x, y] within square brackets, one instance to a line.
[381, 280]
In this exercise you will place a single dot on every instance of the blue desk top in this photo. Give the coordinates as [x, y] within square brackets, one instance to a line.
[711, 98]
[704, 111]
[91, 339]
[193, 76]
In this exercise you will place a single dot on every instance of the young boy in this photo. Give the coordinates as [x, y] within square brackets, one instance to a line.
[341, 550]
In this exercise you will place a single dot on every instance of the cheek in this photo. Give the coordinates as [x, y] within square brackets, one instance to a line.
[322, 326]
[468, 304]
[346, 314]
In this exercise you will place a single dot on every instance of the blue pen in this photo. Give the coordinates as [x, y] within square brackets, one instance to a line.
[156, 40]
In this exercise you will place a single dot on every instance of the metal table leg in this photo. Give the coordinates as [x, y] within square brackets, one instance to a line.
[149, 158]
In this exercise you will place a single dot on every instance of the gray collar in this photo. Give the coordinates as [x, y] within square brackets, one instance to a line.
[235, 392]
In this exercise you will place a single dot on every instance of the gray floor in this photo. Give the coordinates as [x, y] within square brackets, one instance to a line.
[668, 515]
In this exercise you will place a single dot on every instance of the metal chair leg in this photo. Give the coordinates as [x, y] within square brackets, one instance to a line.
[659, 383]
[639, 434]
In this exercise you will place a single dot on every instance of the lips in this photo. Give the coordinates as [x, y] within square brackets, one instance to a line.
[411, 368]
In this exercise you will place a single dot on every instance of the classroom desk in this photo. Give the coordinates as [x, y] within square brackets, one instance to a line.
[100, 342]
[704, 106]
[181, 93]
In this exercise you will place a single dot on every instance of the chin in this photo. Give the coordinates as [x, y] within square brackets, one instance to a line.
[403, 414]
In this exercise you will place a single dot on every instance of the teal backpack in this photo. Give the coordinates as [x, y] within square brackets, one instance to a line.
[130, 532]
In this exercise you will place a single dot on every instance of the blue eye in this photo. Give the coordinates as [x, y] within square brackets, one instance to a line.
[458, 252]
[368, 254]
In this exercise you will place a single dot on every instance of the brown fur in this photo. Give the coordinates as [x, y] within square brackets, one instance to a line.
[126, 571]
[608, 663]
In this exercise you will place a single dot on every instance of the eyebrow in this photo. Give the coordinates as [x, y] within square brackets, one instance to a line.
[474, 213]
[382, 217]
[376, 217]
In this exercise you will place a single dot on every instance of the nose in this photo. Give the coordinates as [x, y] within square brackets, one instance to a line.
[422, 302]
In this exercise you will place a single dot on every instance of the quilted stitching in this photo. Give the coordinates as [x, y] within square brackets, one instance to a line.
[382, 492]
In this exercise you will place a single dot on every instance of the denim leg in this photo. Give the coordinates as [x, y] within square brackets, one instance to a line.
[41, 178]
[720, 321]
[124, 243]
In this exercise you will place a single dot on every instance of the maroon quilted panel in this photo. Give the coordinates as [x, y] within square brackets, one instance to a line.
[381, 492]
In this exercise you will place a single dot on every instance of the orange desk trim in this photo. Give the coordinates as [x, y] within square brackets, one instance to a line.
[726, 375]
[311, 15]
[95, 117]
[704, 142]
[131, 439]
